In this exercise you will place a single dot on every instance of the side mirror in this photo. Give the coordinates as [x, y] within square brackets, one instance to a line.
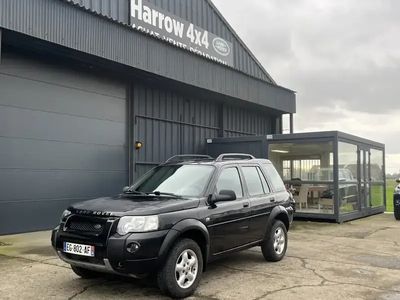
[224, 195]
[125, 189]
[398, 180]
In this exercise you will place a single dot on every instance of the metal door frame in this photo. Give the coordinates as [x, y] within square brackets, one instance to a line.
[364, 177]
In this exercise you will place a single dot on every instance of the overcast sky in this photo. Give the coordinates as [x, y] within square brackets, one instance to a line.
[342, 57]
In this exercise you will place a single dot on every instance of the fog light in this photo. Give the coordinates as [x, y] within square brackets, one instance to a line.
[133, 247]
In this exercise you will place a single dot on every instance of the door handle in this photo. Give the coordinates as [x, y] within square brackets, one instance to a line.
[272, 200]
[246, 204]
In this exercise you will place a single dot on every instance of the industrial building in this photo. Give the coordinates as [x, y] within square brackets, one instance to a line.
[84, 84]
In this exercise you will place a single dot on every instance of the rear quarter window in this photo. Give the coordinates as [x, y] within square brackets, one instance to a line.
[275, 178]
[253, 181]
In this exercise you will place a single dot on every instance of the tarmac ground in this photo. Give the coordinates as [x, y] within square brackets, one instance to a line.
[354, 260]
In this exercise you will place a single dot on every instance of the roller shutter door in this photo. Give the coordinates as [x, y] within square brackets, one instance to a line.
[62, 140]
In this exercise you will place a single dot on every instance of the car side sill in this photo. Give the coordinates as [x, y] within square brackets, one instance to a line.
[239, 248]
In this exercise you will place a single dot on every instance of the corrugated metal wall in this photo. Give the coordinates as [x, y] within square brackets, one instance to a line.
[63, 24]
[168, 123]
[200, 12]
[117, 10]
[240, 121]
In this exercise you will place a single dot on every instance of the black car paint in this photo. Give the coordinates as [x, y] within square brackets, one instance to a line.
[224, 227]
[138, 205]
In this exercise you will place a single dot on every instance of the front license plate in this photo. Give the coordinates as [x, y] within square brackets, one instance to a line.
[78, 249]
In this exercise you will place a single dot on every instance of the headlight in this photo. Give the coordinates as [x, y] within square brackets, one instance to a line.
[65, 214]
[137, 224]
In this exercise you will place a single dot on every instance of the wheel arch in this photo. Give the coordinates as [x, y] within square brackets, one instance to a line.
[281, 214]
[192, 229]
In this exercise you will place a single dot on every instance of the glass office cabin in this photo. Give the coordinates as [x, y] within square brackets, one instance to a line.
[332, 175]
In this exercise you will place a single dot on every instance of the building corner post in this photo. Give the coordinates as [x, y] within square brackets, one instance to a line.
[1, 44]
[291, 124]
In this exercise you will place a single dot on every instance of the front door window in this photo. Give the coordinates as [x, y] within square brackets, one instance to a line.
[230, 180]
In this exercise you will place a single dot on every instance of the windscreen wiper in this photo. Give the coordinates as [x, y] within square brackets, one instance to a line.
[158, 193]
[134, 192]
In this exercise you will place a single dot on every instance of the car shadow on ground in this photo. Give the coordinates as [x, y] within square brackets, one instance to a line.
[109, 286]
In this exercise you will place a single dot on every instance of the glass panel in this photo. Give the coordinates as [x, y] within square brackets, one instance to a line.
[168, 179]
[264, 181]
[308, 168]
[314, 198]
[376, 165]
[348, 183]
[377, 194]
[348, 197]
[348, 162]
[364, 193]
[296, 169]
[303, 161]
[275, 179]
[286, 170]
[253, 181]
[230, 180]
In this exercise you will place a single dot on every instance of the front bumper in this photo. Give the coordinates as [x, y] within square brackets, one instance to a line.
[111, 254]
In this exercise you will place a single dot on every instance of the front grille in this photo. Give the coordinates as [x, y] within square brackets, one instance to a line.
[86, 226]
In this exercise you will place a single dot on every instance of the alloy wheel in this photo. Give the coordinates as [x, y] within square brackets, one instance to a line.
[279, 240]
[186, 268]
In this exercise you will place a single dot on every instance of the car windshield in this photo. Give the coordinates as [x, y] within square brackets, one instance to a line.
[179, 180]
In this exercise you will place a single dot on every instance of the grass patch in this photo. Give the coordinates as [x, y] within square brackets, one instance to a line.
[390, 185]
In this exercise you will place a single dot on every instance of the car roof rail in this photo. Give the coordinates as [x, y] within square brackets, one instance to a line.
[234, 156]
[188, 157]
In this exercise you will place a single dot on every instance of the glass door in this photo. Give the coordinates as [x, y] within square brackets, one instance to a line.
[365, 178]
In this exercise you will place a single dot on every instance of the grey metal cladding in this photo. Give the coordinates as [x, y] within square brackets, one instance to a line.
[117, 10]
[62, 140]
[204, 14]
[61, 23]
[169, 123]
[239, 121]
[201, 12]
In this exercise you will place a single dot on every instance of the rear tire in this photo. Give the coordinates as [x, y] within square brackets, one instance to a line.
[181, 273]
[85, 273]
[275, 243]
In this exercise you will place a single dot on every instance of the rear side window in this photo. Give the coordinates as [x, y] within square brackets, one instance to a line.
[229, 179]
[253, 181]
[275, 178]
[264, 181]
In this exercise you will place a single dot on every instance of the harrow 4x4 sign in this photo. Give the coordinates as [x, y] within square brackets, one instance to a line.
[179, 32]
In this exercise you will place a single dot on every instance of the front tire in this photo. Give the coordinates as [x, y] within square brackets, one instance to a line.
[85, 273]
[181, 273]
[275, 243]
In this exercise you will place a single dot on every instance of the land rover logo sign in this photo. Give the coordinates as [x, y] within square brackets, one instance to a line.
[181, 33]
[221, 46]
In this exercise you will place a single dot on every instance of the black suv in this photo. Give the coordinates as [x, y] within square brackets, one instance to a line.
[177, 218]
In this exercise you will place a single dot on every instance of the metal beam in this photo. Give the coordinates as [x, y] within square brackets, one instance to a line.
[0, 43]
[291, 124]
